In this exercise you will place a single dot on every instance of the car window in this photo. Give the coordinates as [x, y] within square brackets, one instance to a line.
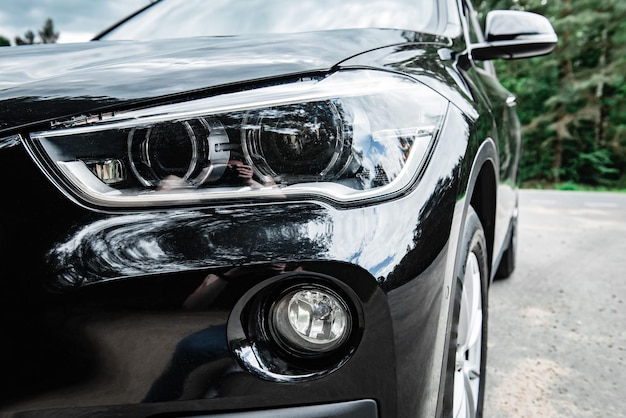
[475, 35]
[475, 31]
[175, 19]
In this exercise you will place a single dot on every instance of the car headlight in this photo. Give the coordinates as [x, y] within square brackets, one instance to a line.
[353, 135]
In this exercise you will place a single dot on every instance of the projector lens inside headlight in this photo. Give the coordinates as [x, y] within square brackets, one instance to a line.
[300, 140]
[312, 320]
[180, 149]
[350, 136]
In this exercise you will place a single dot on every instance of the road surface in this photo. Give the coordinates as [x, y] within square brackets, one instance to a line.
[557, 326]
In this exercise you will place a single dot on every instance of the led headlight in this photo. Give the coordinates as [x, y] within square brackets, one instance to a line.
[350, 136]
[311, 320]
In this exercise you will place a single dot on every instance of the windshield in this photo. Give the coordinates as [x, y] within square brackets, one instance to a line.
[176, 19]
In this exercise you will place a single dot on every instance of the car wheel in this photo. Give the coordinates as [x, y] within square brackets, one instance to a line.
[507, 264]
[469, 336]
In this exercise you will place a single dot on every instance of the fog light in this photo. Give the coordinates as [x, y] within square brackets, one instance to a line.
[312, 320]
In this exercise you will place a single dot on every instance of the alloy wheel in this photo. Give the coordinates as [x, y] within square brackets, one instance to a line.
[468, 359]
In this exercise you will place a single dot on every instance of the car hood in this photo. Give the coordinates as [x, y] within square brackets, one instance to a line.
[45, 82]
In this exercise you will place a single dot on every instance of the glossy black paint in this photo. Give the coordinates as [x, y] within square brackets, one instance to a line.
[88, 323]
[80, 78]
[92, 309]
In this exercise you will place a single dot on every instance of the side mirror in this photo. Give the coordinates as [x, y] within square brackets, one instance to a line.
[514, 34]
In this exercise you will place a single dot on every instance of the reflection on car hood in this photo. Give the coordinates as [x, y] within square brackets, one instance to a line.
[50, 81]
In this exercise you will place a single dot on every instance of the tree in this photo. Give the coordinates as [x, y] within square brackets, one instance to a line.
[573, 102]
[47, 35]
[4, 41]
[29, 39]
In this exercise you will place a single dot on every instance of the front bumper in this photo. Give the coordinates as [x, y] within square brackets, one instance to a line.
[92, 312]
[354, 409]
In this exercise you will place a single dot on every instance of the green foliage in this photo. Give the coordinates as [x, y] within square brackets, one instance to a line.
[29, 39]
[572, 103]
[4, 41]
[47, 35]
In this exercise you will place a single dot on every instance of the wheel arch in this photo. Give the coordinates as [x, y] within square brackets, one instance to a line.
[482, 191]
[479, 197]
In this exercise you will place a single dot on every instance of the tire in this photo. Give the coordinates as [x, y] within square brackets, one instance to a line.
[465, 388]
[507, 263]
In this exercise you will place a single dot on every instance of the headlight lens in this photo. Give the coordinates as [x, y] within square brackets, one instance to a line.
[298, 141]
[350, 136]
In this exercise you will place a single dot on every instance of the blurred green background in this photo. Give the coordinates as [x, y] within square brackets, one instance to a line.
[572, 103]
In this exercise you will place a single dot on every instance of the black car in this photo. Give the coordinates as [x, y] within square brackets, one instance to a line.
[259, 209]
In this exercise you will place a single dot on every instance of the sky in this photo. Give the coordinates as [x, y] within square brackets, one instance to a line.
[76, 20]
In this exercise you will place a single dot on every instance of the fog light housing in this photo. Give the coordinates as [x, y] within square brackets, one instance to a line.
[310, 320]
[297, 326]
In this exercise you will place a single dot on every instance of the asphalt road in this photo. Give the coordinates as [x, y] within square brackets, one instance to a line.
[557, 326]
